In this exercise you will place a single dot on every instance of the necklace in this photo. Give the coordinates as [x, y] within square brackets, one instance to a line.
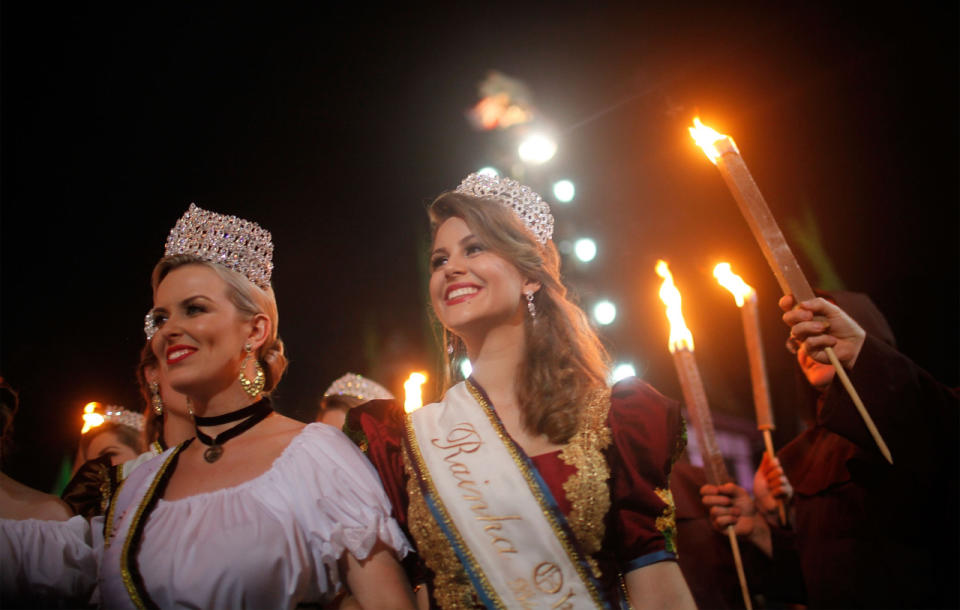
[255, 414]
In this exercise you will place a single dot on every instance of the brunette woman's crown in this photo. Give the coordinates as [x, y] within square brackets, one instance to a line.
[235, 243]
[529, 207]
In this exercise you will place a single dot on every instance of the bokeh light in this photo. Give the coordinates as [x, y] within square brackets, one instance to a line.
[489, 170]
[537, 148]
[621, 371]
[604, 312]
[585, 249]
[564, 191]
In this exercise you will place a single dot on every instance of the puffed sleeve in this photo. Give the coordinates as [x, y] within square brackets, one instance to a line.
[377, 427]
[648, 435]
[46, 562]
[91, 487]
[347, 509]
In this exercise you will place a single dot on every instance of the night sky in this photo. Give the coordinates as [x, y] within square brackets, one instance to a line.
[334, 129]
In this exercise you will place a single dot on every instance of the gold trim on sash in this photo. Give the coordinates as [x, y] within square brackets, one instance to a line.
[538, 494]
[586, 489]
[440, 539]
[451, 586]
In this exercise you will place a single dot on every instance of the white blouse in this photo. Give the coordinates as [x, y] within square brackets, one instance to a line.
[270, 542]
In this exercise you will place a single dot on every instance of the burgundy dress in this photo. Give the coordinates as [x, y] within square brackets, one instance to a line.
[647, 434]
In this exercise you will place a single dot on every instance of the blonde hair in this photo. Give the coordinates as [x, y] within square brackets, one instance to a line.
[564, 360]
[249, 300]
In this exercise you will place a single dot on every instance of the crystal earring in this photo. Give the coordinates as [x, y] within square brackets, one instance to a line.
[530, 306]
[155, 400]
[255, 386]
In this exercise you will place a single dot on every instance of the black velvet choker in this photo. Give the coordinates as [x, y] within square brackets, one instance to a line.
[254, 414]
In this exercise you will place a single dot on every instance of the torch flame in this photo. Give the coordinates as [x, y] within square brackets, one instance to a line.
[91, 419]
[413, 398]
[732, 282]
[706, 138]
[680, 335]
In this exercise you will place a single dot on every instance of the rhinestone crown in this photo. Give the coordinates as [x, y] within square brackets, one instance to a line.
[235, 243]
[115, 414]
[119, 415]
[529, 207]
[358, 386]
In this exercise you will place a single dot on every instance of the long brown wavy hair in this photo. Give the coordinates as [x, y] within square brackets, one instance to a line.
[564, 360]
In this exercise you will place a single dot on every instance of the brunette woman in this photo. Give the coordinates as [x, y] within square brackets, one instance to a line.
[532, 483]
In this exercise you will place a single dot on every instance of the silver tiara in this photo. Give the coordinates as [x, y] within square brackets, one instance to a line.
[529, 207]
[119, 415]
[115, 414]
[235, 243]
[357, 386]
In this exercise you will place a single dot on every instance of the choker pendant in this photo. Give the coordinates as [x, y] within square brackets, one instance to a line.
[254, 414]
[213, 453]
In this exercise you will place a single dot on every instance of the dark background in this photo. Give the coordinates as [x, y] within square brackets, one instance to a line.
[334, 129]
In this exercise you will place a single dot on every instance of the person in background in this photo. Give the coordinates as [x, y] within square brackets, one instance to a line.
[346, 393]
[166, 419]
[119, 437]
[865, 533]
[18, 501]
[9, 405]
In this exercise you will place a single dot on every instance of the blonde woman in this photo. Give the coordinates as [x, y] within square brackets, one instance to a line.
[255, 510]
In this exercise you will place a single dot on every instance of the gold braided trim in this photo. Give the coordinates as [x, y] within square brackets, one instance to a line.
[587, 488]
[623, 591]
[134, 523]
[451, 586]
[108, 522]
[453, 589]
[534, 487]
[667, 522]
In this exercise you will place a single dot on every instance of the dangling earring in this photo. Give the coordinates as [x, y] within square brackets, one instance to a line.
[450, 345]
[155, 400]
[252, 388]
[530, 306]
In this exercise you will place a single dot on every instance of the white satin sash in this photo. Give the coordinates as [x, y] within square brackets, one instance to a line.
[494, 508]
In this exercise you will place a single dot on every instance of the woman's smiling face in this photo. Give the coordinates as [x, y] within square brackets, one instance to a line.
[201, 337]
[472, 289]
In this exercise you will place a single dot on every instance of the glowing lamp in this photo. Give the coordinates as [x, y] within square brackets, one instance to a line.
[537, 149]
[622, 371]
[585, 249]
[564, 191]
[604, 312]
